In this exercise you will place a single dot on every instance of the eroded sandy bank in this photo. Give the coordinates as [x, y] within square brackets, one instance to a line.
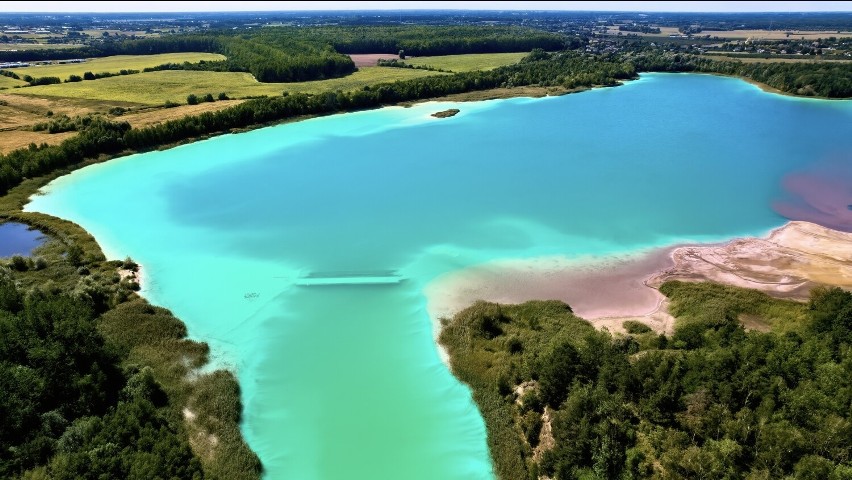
[606, 291]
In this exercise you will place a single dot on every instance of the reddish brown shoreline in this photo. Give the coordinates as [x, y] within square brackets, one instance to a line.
[606, 291]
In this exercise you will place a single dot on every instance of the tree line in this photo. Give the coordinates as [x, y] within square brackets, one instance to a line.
[423, 40]
[294, 54]
[822, 79]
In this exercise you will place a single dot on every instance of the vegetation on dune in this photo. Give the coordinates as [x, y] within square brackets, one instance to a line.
[712, 401]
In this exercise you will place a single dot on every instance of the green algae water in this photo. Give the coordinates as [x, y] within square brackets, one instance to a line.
[300, 252]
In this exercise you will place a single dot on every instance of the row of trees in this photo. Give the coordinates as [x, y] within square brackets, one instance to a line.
[711, 401]
[422, 40]
[823, 79]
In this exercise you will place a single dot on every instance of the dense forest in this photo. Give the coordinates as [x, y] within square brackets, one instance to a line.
[712, 401]
[96, 382]
[67, 403]
[422, 40]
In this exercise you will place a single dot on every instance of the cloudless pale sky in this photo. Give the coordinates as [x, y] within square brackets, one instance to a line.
[214, 6]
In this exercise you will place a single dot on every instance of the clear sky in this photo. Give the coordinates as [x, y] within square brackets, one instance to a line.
[684, 6]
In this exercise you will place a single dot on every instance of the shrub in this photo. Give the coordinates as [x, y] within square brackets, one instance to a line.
[635, 328]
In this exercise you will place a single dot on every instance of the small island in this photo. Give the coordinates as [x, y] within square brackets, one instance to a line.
[446, 113]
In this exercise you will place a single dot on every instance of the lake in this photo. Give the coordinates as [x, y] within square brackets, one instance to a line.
[300, 252]
[18, 239]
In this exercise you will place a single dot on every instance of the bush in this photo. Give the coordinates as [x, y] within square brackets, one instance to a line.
[19, 263]
[129, 264]
[635, 328]
[192, 99]
[39, 263]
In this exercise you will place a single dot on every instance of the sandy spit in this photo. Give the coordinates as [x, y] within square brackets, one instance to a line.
[606, 291]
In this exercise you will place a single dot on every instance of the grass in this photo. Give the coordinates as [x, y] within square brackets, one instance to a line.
[155, 88]
[469, 62]
[115, 64]
[711, 302]
[8, 82]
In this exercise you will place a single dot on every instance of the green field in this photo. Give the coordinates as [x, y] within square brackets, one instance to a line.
[6, 82]
[155, 88]
[468, 62]
[36, 46]
[115, 64]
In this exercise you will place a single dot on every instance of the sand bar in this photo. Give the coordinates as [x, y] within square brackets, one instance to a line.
[606, 291]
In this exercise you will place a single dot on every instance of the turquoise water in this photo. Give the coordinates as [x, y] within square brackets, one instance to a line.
[300, 251]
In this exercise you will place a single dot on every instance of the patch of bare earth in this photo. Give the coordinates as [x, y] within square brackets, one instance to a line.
[201, 441]
[370, 59]
[787, 264]
[545, 439]
[754, 322]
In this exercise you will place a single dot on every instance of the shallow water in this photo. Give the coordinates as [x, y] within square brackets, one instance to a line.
[343, 380]
[18, 239]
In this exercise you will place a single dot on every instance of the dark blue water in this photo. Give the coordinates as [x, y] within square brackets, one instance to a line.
[18, 239]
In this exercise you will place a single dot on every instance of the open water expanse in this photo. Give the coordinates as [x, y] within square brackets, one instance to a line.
[300, 251]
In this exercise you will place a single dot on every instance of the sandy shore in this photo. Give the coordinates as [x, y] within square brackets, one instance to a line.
[607, 291]
[135, 276]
